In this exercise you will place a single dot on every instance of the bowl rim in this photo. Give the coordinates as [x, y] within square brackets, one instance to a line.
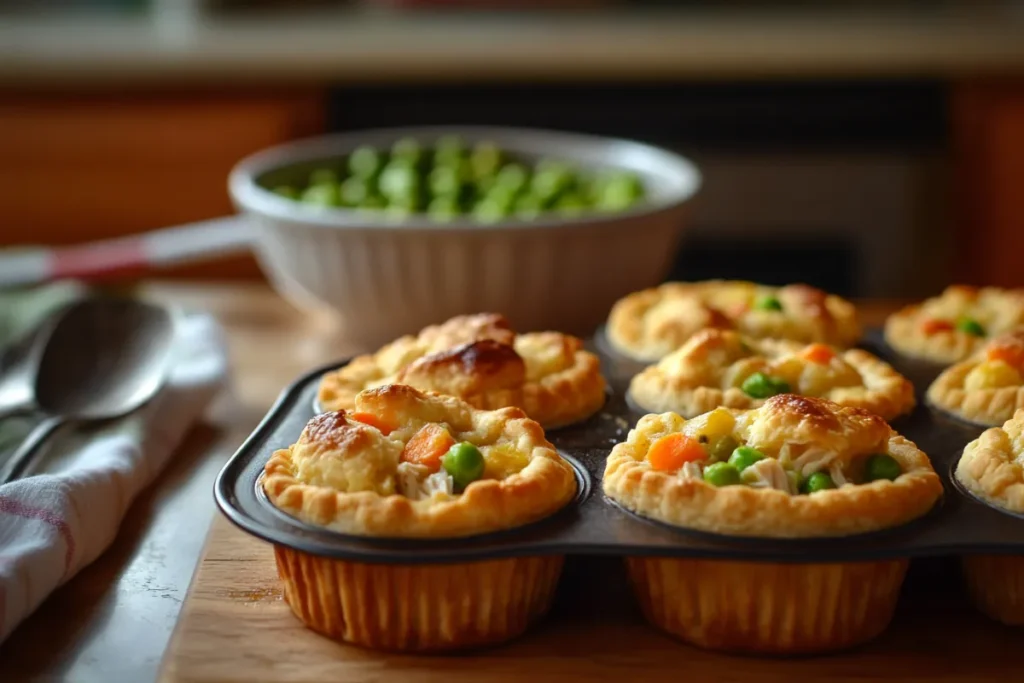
[250, 196]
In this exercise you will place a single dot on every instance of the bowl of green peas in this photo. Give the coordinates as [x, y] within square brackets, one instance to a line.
[393, 229]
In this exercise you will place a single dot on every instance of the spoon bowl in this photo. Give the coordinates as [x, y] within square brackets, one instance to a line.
[99, 359]
[103, 359]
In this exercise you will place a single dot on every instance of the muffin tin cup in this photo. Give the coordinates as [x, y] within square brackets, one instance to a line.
[767, 608]
[413, 608]
[595, 525]
[996, 586]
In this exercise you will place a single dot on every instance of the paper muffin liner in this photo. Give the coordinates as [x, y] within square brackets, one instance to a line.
[996, 586]
[767, 608]
[418, 607]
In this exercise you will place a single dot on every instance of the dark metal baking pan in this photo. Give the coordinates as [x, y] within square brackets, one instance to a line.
[592, 524]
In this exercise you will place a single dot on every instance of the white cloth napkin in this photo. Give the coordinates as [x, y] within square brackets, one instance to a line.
[54, 524]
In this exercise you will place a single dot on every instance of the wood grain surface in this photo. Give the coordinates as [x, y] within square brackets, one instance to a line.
[235, 625]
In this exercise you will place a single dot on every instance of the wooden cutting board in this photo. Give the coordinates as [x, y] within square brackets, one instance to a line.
[235, 626]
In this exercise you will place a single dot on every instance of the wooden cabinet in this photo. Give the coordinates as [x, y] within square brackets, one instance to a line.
[82, 167]
[988, 134]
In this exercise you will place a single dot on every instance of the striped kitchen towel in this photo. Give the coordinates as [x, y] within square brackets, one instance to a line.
[57, 522]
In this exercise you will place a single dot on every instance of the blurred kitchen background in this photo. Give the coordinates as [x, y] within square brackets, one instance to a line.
[872, 148]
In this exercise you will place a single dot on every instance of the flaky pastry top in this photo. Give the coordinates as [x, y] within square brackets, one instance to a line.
[481, 360]
[992, 466]
[956, 324]
[986, 388]
[360, 473]
[722, 368]
[778, 458]
[651, 323]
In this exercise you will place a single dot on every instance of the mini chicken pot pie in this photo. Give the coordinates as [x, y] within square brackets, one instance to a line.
[479, 359]
[992, 468]
[411, 465]
[650, 324]
[797, 467]
[950, 327]
[721, 368]
[987, 388]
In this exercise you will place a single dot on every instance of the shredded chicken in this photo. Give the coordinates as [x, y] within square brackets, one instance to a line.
[768, 474]
[416, 482]
[836, 472]
[691, 470]
[806, 459]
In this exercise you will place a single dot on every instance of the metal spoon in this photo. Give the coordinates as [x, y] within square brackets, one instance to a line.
[96, 360]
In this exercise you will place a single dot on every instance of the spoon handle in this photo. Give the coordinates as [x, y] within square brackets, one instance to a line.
[18, 461]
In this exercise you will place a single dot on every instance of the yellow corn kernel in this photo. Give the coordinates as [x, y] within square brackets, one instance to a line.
[992, 374]
[503, 460]
[719, 423]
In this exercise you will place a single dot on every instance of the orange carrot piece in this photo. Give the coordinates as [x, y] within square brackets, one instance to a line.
[372, 420]
[428, 446]
[819, 353]
[934, 325]
[672, 451]
[1010, 354]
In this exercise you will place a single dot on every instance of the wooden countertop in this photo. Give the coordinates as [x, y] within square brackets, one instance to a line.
[113, 620]
[899, 39]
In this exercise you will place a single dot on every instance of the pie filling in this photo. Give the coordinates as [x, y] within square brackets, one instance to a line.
[425, 463]
[1003, 365]
[709, 449]
[723, 360]
[969, 311]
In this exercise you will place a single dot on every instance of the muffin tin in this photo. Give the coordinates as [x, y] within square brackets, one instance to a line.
[592, 524]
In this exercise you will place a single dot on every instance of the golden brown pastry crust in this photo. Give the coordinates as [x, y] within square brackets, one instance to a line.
[992, 466]
[651, 323]
[766, 512]
[997, 310]
[952, 392]
[341, 472]
[707, 370]
[482, 361]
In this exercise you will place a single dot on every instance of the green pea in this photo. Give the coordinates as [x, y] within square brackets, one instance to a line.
[513, 177]
[365, 162]
[408, 151]
[970, 326]
[327, 194]
[618, 191]
[443, 208]
[527, 206]
[745, 456]
[819, 481]
[286, 191]
[721, 447]
[768, 303]
[398, 182]
[490, 210]
[445, 181]
[464, 462]
[721, 474]
[354, 191]
[760, 385]
[570, 204]
[323, 176]
[550, 181]
[485, 160]
[881, 466]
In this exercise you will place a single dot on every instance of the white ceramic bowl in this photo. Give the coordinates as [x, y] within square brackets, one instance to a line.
[387, 277]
